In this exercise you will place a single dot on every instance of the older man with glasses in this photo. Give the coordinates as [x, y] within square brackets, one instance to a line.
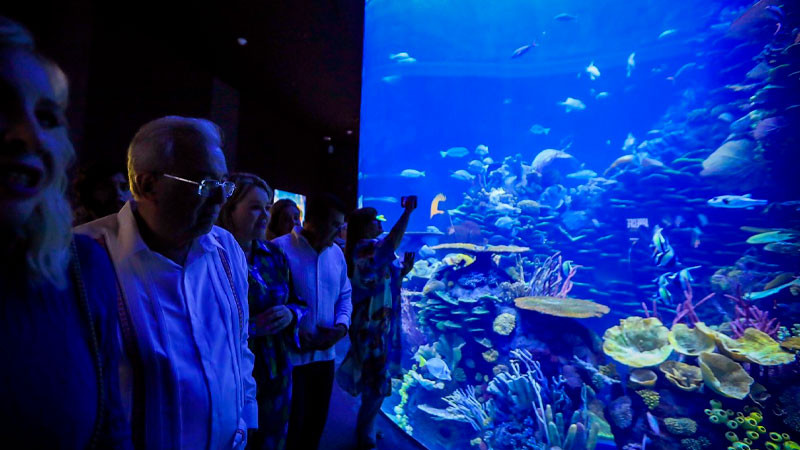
[187, 370]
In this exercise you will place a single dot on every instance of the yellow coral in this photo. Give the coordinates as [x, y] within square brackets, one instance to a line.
[754, 346]
[490, 355]
[504, 324]
[683, 376]
[724, 375]
[650, 398]
[638, 342]
[792, 343]
[562, 307]
[690, 341]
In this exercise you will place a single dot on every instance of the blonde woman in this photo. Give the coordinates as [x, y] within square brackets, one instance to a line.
[59, 381]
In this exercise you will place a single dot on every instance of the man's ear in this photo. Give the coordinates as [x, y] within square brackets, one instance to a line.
[147, 185]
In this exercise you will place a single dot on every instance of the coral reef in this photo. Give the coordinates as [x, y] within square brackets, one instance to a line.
[504, 324]
[724, 376]
[683, 426]
[699, 443]
[562, 307]
[638, 342]
[650, 398]
[681, 375]
[690, 341]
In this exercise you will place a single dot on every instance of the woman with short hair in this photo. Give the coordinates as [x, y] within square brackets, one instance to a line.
[275, 310]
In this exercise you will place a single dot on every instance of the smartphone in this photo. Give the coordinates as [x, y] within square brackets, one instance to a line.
[405, 200]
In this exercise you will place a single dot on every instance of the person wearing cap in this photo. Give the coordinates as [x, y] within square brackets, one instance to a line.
[376, 275]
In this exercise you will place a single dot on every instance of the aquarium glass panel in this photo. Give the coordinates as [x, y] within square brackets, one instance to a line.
[607, 230]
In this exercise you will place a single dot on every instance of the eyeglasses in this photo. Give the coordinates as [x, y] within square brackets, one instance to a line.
[206, 188]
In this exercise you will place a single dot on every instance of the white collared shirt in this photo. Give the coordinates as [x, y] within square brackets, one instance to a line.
[321, 280]
[197, 366]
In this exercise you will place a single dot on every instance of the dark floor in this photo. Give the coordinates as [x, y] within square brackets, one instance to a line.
[340, 430]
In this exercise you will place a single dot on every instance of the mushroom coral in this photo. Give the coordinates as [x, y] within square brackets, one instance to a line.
[756, 347]
[638, 342]
[690, 341]
[683, 376]
[562, 307]
[643, 378]
[724, 376]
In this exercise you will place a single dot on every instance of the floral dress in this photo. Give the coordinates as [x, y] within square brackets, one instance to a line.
[374, 355]
[270, 284]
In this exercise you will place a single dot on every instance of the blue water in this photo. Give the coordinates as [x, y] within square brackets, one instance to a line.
[440, 75]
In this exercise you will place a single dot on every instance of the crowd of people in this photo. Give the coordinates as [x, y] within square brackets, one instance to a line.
[177, 305]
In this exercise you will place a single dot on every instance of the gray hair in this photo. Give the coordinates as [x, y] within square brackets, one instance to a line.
[48, 232]
[153, 148]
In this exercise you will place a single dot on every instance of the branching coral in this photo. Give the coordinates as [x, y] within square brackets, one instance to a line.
[551, 278]
[476, 413]
[600, 375]
[749, 316]
[517, 396]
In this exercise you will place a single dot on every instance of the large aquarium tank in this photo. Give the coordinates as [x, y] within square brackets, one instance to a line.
[608, 232]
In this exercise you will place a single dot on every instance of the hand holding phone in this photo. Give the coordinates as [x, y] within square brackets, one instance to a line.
[409, 202]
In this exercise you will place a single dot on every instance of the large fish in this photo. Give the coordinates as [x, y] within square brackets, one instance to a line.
[455, 152]
[572, 104]
[411, 173]
[437, 368]
[736, 201]
[522, 50]
[593, 71]
[462, 175]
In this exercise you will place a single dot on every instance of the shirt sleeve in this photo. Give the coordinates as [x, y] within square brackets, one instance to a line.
[344, 305]
[250, 411]
[297, 305]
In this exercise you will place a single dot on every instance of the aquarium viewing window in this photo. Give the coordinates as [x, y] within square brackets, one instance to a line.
[607, 238]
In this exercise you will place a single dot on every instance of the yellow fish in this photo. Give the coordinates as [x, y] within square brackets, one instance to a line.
[458, 259]
[435, 205]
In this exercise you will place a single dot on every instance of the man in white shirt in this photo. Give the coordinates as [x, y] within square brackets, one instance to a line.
[319, 275]
[186, 373]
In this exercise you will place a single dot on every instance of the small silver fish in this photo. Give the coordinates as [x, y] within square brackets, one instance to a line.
[631, 64]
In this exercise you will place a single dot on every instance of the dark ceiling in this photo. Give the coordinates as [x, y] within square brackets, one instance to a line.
[288, 100]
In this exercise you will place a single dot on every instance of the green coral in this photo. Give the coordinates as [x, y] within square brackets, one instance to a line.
[504, 324]
[401, 418]
[695, 444]
[786, 333]
[683, 426]
[747, 422]
[651, 398]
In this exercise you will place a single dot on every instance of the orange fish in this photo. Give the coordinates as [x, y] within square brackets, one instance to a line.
[435, 211]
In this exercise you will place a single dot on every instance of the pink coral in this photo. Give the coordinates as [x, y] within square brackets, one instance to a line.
[750, 316]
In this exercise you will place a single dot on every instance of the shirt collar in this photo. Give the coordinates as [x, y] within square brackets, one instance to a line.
[131, 241]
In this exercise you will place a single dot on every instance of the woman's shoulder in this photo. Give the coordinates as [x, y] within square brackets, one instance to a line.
[268, 247]
[98, 274]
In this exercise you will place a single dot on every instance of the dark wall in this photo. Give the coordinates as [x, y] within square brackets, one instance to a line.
[288, 101]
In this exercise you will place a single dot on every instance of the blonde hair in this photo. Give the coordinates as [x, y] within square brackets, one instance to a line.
[48, 232]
